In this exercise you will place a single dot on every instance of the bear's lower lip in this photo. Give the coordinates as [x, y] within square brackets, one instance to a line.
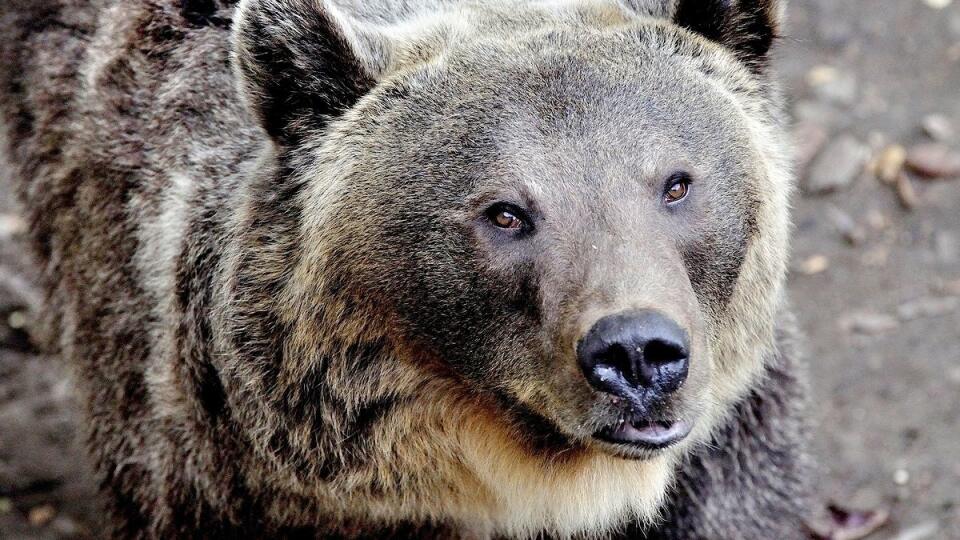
[649, 435]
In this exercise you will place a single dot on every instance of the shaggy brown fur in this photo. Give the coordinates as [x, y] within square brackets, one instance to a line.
[263, 232]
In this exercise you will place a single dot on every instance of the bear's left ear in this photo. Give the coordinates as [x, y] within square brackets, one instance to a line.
[747, 27]
[300, 63]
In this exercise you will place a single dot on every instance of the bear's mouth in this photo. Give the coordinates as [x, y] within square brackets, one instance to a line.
[646, 434]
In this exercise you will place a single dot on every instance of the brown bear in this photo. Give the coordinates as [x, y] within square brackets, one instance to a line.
[417, 268]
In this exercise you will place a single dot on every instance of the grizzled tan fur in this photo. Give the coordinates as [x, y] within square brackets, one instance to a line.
[258, 225]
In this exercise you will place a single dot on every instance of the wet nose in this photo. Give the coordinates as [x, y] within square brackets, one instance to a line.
[637, 350]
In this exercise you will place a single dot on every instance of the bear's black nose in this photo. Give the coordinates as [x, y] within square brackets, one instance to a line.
[637, 350]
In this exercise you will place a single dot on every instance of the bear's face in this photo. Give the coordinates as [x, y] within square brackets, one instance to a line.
[506, 210]
[574, 214]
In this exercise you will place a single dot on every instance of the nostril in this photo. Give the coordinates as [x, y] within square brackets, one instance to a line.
[664, 365]
[616, 357]
[662, 352]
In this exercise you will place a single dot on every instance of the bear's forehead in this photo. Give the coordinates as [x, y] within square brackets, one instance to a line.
[578, 81]
[550, 112]
[565, 96]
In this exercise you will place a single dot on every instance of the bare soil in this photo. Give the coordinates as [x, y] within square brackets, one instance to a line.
[872, 285]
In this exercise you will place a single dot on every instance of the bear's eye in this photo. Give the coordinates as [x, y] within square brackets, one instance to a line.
[678, 186]
[508, 217]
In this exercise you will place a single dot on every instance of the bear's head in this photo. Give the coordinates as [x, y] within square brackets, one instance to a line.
[560, 226]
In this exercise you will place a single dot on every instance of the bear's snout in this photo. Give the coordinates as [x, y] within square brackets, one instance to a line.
[639, 359]
[638, 356]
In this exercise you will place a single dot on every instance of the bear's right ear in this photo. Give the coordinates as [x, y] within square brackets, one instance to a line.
[300, 63]
[746, 27]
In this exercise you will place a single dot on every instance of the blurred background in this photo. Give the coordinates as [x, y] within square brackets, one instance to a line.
[874, 88]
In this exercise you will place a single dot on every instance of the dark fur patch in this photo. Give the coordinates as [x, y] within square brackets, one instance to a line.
[541, 436]
[210, 391]
[366, 418]
[713, 266]
[200, 13]
[746, 26]
[715, 259]
[195, 273]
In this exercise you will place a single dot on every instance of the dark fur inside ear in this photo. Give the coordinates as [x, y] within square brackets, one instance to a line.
[296, 66]
[200, 13]
[748, 27]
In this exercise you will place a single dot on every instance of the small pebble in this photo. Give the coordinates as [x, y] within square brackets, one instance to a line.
[41, 515]
[808, 139]
[938, 4]
[823, 74]
[928, 308]
[869, 323]
[846, 226]
[889, 163]
[6, 505]
[938, 127]
[901, 477]
[816, 264]
[906, 193]
[838, 166]
[934, 160]
[923, 531]
[833, 85]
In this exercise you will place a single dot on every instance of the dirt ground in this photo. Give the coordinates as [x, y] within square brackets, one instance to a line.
[876, 285]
